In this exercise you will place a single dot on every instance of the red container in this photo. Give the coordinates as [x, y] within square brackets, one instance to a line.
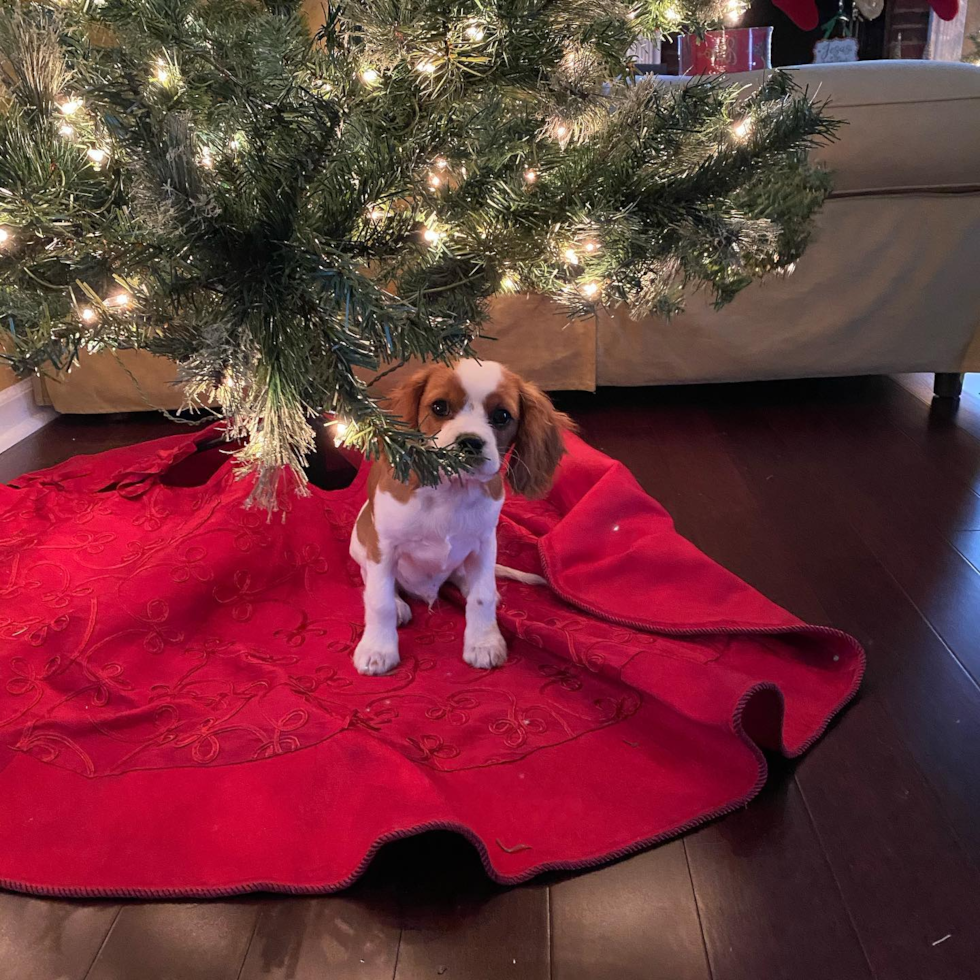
[741, 49]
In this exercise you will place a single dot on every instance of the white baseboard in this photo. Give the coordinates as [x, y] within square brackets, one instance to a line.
[19, 415]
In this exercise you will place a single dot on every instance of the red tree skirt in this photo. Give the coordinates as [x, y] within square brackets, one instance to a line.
[179, 715]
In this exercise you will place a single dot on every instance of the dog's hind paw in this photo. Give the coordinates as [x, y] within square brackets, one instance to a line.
[404, 612]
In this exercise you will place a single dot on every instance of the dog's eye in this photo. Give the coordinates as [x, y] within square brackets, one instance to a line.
[440, 407]
[499, 417]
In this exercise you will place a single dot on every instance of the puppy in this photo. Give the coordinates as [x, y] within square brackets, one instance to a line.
[414, 538]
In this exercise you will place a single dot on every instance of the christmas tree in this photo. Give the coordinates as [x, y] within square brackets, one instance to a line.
[275, 209]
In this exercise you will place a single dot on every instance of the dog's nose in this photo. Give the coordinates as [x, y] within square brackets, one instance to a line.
[471, 444]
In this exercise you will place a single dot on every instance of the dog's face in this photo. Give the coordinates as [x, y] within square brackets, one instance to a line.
[488, 411]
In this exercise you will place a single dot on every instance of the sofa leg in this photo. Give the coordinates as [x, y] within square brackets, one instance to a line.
[948, 385]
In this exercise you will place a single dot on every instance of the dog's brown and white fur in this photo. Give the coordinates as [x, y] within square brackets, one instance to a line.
[414, 538]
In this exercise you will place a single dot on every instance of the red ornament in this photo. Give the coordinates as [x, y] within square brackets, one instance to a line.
[804, 14]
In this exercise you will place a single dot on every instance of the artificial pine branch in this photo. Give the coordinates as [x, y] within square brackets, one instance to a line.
[274, 211]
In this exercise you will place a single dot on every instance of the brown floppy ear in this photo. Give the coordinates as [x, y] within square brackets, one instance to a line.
[405, 399]
[538, 447]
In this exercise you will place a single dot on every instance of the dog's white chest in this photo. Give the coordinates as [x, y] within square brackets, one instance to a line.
[435, 531]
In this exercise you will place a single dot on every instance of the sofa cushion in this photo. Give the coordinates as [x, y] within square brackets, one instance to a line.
[911, 125]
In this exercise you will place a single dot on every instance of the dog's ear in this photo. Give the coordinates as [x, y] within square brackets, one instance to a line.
[405, 399]
[539, 446]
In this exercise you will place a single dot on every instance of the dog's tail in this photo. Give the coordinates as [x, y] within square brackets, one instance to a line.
[502, 571]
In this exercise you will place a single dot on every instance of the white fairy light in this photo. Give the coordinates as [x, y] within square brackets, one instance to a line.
[431, 235]
[475, 31]
[66, 129]
[435, 181]
[426, 67]
[508, 283]
[205, 158]
[561, 131]
[589, 289]
[71, 106]
[591, 246]
[570, 256]
[161, 73]
[530, 176]
[672, 15]
[339, 431]
[733, 12]
[441, 162]
[4, 236]
[376, 214]
[742, 128]
[89, 315]
[370, 77]
[121, 300]
[97, 155]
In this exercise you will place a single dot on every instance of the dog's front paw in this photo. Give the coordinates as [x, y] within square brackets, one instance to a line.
[489, 650]
[371, 657]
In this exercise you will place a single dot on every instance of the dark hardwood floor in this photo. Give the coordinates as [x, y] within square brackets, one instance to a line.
[853, 502]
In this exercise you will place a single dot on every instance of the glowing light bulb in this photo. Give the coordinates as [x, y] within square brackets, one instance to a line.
[376, 214]
[66, 129]
[88, 314]
[530, 176]
[589, 289]
[742, 128]
[508, 283]
[591, 247]
[162, 73]
[206, 159]
[4, 236]
[72, 105]
[96, 155]
[339, 431]
[441, 162]
[733, 12]
[672, 15]
[431, 235]
[435, 181]
[370, 77]
[562, 131]
[121, 300]
[426, 67]
[570, 256]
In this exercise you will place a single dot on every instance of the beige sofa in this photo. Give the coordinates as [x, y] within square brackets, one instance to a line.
[890, 283]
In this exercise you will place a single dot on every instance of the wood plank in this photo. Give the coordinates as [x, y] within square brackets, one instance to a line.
[907, 515]
[933, 700]
[341, 937]
[685, 464]
[907, 865]
[730, 858]
[967, 543]
[70, 435]
[170, 941]
[634, 920]
[44, 938]
[456, 923]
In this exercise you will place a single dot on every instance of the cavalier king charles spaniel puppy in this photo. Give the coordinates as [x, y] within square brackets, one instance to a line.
[412, 539]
